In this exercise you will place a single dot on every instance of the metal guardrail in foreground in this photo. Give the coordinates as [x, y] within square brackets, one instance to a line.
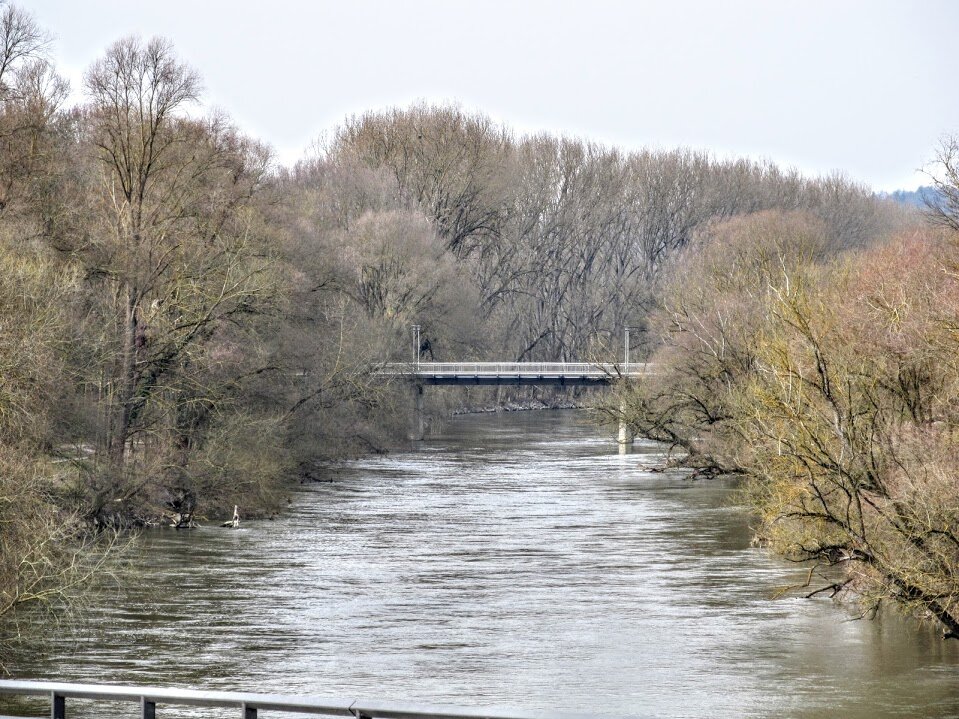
[250, 704]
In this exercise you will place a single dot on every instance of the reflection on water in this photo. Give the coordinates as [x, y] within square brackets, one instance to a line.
[517, 560]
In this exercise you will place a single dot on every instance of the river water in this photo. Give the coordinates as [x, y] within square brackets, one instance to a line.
[515, 560]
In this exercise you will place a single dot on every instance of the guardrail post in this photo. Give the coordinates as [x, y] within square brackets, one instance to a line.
[59, 703]
[148, 709]
[248, 711]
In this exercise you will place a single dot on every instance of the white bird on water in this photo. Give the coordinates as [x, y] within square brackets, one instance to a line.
[235, 522]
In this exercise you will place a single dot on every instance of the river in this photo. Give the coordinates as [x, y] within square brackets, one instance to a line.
[515, 560]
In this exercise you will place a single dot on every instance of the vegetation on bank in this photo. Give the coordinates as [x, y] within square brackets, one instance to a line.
[185, 325]
[826, 375]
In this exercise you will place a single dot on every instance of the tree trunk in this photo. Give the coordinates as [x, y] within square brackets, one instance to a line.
[128, 378]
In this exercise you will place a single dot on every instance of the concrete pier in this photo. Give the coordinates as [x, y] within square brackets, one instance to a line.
[418, 420]
[625, 436]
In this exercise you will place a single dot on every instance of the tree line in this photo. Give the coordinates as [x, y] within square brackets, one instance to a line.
[187, 326]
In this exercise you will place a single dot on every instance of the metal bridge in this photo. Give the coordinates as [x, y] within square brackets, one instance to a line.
[147, 699]
[559, 374]
[556, 374]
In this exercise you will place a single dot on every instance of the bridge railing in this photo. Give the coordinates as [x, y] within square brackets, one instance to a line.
[590, 369]
[248, 705]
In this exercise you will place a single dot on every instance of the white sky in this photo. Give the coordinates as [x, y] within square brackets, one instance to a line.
[867, 88]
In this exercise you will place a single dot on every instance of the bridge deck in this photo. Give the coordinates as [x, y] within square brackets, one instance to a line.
[512, 373]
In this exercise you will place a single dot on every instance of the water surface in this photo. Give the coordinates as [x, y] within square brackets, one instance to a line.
[515, 560]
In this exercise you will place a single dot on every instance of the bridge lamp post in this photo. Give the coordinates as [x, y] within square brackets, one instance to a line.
[626, 359]
[416, 346]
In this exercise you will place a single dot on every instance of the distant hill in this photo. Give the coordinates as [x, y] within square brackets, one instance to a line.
[916, 198]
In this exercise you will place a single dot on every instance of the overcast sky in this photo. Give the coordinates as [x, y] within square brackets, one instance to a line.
[866, 88]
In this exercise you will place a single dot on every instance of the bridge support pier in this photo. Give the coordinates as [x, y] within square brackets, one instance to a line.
[625, 436]
[418, 420]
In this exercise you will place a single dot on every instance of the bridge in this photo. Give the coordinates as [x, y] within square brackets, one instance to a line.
[555, 374]
[558, 374]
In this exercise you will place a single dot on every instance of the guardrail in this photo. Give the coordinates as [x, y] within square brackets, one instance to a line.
[250, 704]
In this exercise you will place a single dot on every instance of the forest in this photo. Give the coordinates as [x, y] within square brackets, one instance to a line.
[186, 325]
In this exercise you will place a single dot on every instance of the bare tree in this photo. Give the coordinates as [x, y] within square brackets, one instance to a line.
[943, 206]
[176, 254]
[21, 40]
[446, 161]
[30, 95]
